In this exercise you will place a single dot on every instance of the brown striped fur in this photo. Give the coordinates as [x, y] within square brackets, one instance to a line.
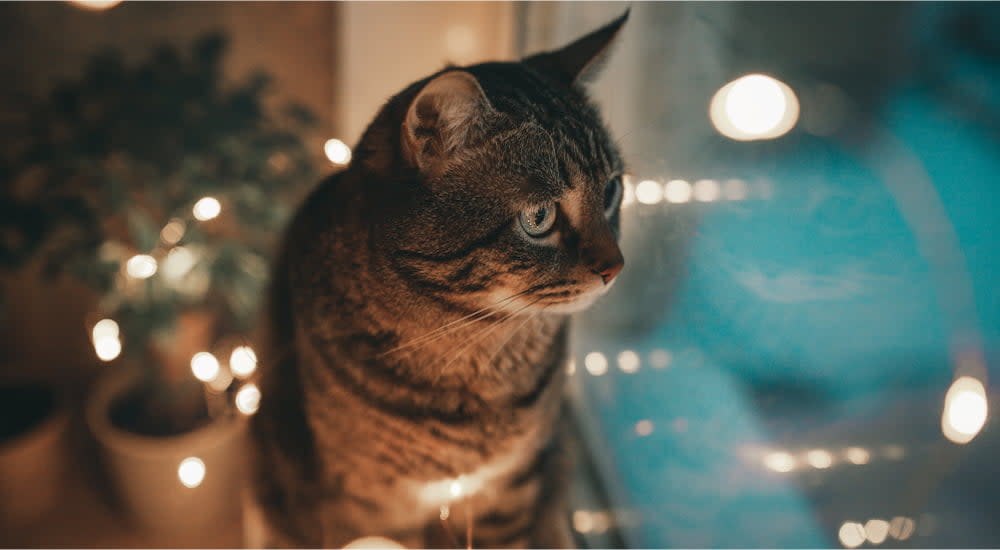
[416, 334]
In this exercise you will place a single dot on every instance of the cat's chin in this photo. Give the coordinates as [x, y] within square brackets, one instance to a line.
[579, 303]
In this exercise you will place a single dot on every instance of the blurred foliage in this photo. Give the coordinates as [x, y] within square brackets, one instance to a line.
[105, 162]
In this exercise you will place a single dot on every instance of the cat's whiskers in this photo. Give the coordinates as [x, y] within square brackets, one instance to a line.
[510, 335]
[451, 327]
[484, 333]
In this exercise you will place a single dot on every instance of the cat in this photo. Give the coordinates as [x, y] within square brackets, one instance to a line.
[414, 355]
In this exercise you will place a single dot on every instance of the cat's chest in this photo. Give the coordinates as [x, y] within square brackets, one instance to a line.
[483, 483]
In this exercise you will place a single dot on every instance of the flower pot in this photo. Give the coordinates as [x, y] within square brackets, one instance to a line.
[182, 482]
[33, 421]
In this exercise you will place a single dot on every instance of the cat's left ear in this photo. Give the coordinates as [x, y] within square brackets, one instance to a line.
[581, 61]
[442, 118]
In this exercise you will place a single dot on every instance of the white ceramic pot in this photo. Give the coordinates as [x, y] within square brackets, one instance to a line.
[33, 468]
[147, 471]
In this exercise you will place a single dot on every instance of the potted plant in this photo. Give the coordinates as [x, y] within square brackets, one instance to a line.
[33, 422]
[162, 188]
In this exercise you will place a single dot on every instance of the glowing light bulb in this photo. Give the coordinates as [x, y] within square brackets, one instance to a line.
[857, 455]
[754, 107]
[965, 410]
[455, 489]
[677, 191]
[649, 192]
[141, 266]
[659, 359]
[107, 348]
[644, 428]
[780, 461]
[595, 363]
[628, 361]
[706, 190]
[374, 543]
[243, 361]
[851, 534]
[191, 472]
[337, 151]
[206, 208]
[819, 459]
[248, 399]
[205, 366]
[95, 5]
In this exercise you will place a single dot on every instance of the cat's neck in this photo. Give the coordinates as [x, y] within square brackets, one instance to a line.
[493, 354]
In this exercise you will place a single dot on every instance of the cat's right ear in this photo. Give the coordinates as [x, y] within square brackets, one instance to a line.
[581, 61]
[441, 119]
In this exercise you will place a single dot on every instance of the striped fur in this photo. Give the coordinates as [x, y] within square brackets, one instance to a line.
[414, 334]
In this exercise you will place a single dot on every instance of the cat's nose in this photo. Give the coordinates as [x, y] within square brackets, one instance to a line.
[602, 256]
[610, 270]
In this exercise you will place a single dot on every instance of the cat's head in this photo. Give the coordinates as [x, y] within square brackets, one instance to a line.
[516, 184]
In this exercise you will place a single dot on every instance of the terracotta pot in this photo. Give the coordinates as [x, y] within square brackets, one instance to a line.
[156, 490]
[33, 461]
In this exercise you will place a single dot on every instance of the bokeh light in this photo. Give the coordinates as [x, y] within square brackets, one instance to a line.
[221, 381]
[173, 232]
[735, 190]
[677, 191]
[205, 366]
[659, 359]
[583, 521]
[644, 427]
[206, 208]
[248, 399]
[649, 192]
[628, 361]
[965, 410]
[105, 328]
[596, 363]
[754, 107]
[851, 534]
[243, 361]
[706, 190]
[191, 472]
[141, 266]
[876, 530]
[178, 263]
[901, 528]
[819, 458]
[337, 151]
[373, 543]
[628, 191]
[779, 461]
[95, 5]
[857, 455]
[107, 348]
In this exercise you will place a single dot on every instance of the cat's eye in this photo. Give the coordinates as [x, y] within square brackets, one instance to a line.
[612, 195]
[537, 221]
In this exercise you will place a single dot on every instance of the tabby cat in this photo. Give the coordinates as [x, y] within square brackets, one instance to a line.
[415, 351]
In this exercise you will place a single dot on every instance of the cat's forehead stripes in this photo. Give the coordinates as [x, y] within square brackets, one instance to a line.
[572, 123]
